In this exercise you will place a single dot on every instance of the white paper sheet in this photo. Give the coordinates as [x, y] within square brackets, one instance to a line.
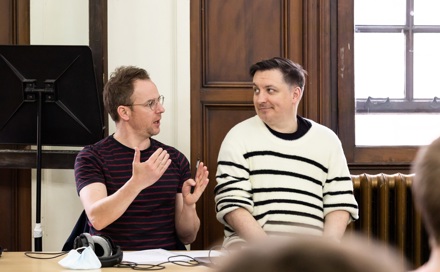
[148, 256]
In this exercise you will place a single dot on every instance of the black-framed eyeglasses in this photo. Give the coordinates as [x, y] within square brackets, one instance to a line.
[152, 103]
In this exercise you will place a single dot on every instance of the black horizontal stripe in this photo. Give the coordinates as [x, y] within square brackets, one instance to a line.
[287, 212]
[284, 173]
[236, 165]
[338, 179]
[228, 206]
[218, 187]
[286, 190]
[285, 156]
[339, 193]
[338, 205]
[231, 190]
[231, 203]
[288, 201]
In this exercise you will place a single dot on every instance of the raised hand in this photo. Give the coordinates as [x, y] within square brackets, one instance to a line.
[148, 172]
[199, 184]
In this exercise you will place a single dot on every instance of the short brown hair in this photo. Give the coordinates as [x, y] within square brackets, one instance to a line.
[119, 88]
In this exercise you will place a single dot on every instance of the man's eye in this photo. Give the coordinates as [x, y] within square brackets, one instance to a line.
[151, 103]
[256, 90]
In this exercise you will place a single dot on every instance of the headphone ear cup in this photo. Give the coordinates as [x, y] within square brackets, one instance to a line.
[115, 255]
[102, 246]
[83, 240]
[114, 259]
[107, 252]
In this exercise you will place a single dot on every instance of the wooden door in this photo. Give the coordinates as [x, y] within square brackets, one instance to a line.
[227, 37]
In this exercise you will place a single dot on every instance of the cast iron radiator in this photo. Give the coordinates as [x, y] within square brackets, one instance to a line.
[387, 213]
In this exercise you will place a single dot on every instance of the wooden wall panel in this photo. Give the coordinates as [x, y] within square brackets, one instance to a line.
[15, 184]
[14, 22]
[15, 209]
[238, 33]
[219, 119]
[5, 30]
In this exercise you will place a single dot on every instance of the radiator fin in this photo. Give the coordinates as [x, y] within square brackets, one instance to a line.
[386, 213]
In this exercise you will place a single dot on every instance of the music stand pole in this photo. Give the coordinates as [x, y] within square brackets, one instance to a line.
[38, 232]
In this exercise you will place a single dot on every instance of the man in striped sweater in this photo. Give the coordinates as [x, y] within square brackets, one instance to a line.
[280, 174]
[135, 189]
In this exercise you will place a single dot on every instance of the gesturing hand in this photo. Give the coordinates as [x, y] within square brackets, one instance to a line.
[200, 183]
[148, 172]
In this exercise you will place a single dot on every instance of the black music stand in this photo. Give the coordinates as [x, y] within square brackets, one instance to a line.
[48, 96]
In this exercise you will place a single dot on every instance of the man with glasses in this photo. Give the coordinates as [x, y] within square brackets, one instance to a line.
[135, 189]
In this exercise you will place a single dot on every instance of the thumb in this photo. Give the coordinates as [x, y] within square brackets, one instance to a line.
[137, 156]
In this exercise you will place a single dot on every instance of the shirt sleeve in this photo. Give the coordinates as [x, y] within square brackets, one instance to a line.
[338, 188]
[233, 189]
[88, 169]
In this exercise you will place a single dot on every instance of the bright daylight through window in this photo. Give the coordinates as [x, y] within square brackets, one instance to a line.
[396, 57]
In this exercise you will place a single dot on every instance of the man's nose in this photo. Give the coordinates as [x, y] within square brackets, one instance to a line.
[261, 97]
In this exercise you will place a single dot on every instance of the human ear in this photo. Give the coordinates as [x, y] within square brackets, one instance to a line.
[296, 93]
[124, 112]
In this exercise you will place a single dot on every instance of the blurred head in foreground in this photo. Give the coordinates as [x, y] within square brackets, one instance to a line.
[426, 194]
[354, 254]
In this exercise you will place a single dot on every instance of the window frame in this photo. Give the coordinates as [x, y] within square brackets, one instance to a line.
[408, 104]
[363, 157]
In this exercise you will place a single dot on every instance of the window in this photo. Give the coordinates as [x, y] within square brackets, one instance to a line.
[396, 71]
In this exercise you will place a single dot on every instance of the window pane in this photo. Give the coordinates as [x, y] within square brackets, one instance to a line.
[379, 12]
[379, 65]
[426, 60]
[396, 129]
[426, 12]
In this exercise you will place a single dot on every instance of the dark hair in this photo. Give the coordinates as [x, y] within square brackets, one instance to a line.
[293, 73]
[119, 88]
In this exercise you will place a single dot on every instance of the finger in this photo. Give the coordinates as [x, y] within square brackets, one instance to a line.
[201, 183]
[187, 190]
[200, 170]
[156, 154]
[165, 164]
[137, 156]
[198, 190]
[162, 158]
[202, 174]
[190, 182]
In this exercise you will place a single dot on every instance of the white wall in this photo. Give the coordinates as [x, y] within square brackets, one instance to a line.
[152, 34]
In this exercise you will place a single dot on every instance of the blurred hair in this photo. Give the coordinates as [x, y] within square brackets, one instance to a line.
[426, 187]
[316, 254]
